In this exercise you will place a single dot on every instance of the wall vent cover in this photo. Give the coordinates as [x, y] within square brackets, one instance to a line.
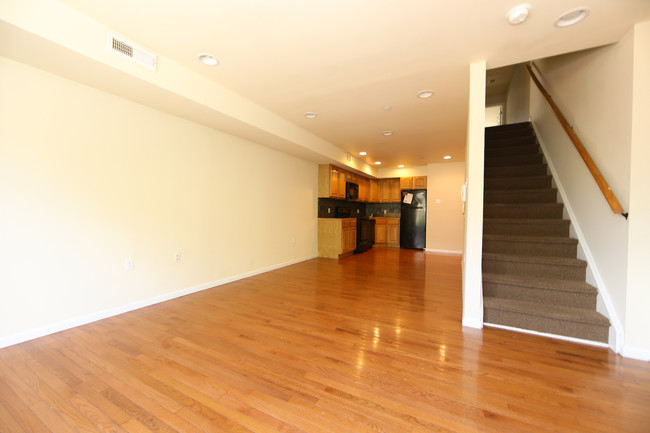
[128, 49]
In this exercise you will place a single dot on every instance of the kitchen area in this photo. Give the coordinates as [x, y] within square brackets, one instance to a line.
[356, 213]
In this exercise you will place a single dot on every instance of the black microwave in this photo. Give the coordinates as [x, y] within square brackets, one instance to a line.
[351, 190]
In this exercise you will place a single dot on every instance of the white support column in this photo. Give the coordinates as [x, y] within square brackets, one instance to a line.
[472, 269]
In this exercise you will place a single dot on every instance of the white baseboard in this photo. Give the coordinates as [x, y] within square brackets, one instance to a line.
[454, 252]
[93, 317]
[543, 334]
[472, 323]
[636, 353]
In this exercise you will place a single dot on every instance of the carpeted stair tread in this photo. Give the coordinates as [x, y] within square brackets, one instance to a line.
[534, 239]
[537, 195]
[557, 312]
[562, 261]
[499, 142]
[508, 149]
[523, 210]
[531, 221]
[515, 170]
[541, 283]
[502, 161]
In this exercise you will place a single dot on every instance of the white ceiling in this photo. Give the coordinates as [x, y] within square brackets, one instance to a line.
[348, 59]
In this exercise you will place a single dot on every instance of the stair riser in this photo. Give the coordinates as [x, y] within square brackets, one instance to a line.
[515, 212]
[539, 270]
[585, 301]
[516, 171]
[530, 248]
[499, 143]
[509, 131]
[502, 151]
[503, 161]
[511, 184]
[541, 324]
[544, 196]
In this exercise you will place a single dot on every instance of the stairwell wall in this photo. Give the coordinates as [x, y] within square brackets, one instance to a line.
[518, 96]
[593, 90]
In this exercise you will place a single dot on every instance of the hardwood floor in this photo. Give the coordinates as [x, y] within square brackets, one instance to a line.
[371, 343]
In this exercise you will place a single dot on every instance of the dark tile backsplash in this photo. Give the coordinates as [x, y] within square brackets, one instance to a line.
[377, 209]
[332, 204]
[356, 208]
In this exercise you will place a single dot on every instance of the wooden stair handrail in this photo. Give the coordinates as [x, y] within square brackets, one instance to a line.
[591, 165]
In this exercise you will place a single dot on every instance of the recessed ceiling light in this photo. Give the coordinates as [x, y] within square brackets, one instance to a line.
[363, 153]
[310, 115]
[387, 133]
[400, 166]
[572, 17]
[208, 59]
[518, 14]
[424, 94]
[446, 157]
[377, 162]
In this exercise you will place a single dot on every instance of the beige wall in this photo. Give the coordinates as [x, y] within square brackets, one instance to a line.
[445, 219]
[593, 89]
[637, 319]
[402, 172]
[89, 180]
[518, 96]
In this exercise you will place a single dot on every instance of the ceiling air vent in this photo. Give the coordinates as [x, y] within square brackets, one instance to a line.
[128, 49]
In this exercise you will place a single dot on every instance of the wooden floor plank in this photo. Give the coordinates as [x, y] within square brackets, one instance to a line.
[370, 343]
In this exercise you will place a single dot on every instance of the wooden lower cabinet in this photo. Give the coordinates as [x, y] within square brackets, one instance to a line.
[392, 232]
[337, 237]
[387, 232]
[380, 231]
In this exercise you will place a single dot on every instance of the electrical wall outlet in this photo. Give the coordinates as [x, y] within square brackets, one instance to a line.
[128, 265]
[177, 257]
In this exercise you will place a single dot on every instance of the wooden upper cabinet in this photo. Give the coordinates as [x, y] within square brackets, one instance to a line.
[420, 182]
[331, 182]
[406, 183]
[389, 191]
[384, 191]
[416, 182]
[364, 186]
[394, 191]
[373, 190]
[342, 177]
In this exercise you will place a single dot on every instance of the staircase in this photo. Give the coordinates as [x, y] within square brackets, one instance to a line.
[532, 279]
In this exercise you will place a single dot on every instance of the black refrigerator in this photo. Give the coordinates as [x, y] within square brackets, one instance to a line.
[413, 222]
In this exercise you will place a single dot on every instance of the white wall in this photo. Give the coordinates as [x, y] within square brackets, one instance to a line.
[474, 169]
[518, 96]
[402, 172]
[88, 180]
[637, 321]
[445, 221]
[593, 89]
